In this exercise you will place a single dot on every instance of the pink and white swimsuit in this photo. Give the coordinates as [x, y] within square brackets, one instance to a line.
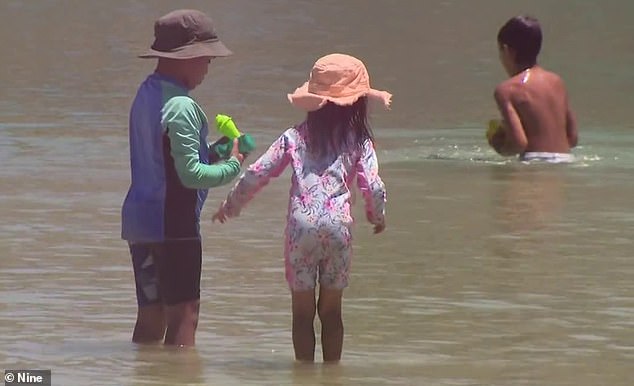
[318, 237]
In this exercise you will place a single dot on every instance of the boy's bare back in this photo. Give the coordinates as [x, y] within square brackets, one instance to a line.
[534, 105]
[533, 102]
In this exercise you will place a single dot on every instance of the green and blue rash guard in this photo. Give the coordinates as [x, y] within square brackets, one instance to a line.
[169, 164]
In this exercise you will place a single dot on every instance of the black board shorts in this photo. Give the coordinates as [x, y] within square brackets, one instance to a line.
[167, 272]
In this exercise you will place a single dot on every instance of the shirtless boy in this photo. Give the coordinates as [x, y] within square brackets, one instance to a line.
[537, 121]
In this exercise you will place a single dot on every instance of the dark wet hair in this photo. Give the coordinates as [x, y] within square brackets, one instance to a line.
[524, 35]
[338, 129]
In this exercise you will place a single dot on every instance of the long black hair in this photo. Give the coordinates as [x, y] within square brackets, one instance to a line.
[338, 129]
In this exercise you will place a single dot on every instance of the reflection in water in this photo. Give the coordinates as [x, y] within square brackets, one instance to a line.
[528, 197]
[160, 365]
[528, 206]
[318, 374]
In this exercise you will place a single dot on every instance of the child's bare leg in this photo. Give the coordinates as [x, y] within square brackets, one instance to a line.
[329, 308]
[150, 324]
[303, 303]
[182, 320]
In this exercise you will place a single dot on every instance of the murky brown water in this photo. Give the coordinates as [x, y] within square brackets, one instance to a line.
[490, 273]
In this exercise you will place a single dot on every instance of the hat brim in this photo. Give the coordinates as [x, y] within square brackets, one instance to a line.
[195, 50]
[305, 100]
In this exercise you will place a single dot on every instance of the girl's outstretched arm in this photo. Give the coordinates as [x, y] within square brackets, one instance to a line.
[371, 186]
[270, 164]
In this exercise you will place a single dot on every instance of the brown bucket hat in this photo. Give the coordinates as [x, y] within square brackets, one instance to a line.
[185, 34]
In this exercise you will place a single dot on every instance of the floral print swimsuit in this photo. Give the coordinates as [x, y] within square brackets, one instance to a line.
[318, 239]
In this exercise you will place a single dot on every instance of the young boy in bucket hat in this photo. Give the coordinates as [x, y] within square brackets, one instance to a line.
[170, 177]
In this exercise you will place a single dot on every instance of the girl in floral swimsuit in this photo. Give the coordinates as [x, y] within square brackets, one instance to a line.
[326, 152]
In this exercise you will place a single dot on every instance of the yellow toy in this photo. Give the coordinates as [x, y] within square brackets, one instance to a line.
[226, 126]
[494, 126]
[221, 149]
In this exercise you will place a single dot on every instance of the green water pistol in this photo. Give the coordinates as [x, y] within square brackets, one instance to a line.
[221, 149]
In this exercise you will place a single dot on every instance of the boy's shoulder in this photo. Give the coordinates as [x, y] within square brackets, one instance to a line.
[183, 106]
[183, 103]
[507, 89]
[532, 79]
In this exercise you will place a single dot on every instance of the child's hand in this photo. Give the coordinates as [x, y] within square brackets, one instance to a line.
[235, 151]
[220, 214]
[379, 228]
[498, 140]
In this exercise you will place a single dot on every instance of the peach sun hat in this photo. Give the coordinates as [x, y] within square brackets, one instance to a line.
[337, 78]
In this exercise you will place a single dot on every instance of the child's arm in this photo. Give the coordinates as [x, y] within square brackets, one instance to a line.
[371, 185]
[571, 128]
[270, 164]
[515, 140]
[182, 122]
